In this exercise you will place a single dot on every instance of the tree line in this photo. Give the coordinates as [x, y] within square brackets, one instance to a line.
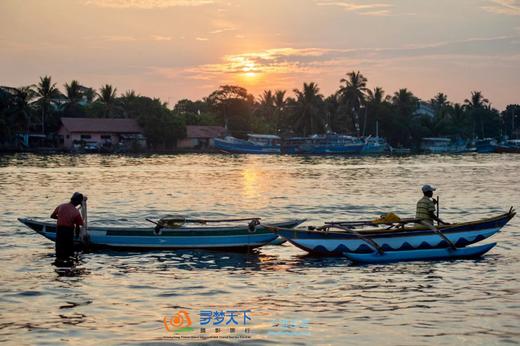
[353, 109]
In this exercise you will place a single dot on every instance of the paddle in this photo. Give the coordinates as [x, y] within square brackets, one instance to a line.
[442, 235]
[371, 242]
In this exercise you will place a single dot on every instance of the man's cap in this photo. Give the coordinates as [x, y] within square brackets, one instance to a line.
[427, 188]
[76, 196]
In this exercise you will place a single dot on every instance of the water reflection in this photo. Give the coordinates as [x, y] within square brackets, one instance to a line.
[408, 303]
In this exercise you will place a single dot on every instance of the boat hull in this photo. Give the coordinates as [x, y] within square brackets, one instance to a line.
[145, 238]
[507, 149]
[332, 243]
[244, 147]
[420, 255]
[324, 150]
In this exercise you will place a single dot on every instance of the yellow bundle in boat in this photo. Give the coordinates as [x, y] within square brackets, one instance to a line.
[387, 218]
[172, 221]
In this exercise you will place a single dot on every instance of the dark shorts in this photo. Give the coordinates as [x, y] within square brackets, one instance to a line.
[64, 242]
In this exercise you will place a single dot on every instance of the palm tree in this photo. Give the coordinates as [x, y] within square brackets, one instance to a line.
[47, 94]
[266, 105]
[353, 94]
[475, 104]
[458, 118]
[22, 109]
[280, 107]
[376, 96]
[73, 94]
[439, 101]
[374, 103]
[308, 109]
[107, 96]
[476, 100]
[405, 102]
[90, 94]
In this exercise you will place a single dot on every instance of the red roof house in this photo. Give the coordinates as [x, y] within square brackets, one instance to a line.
[200, 137]
[99, 133]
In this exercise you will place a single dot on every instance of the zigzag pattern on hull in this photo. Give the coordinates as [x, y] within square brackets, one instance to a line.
[364, 248]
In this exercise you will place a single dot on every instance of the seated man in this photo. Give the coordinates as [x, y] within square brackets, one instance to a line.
[426, 207]
[69, 220]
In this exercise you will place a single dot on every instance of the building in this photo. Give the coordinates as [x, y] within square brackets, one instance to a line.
[200, 137]
[93, 134]
[424, 108]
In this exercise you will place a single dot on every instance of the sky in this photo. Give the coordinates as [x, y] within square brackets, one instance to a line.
[175, 49]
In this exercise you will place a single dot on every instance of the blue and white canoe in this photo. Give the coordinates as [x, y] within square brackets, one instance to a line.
[184, 237]
[397, 240]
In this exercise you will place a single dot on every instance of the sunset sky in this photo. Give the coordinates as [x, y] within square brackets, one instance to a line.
[176, 49]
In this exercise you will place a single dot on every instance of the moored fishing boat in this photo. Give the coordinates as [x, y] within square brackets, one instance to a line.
[486, 145]
[233, 237]
[435, 145]
[510, 146]
[394, 238]
[328, 144]
[255, 144]
[374, 145]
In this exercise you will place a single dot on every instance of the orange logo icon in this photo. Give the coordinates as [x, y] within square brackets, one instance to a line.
[180, 322]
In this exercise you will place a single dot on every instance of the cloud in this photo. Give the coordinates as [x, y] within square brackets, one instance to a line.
[367, 9]
[506, 7]
[379, 13]
[201, 38]
[161, 38]
[148, 4]
[219, 31]
[119, 38]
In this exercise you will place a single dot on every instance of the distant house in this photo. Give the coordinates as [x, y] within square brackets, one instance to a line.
[424, 108]
[200, 137]
[93, 134]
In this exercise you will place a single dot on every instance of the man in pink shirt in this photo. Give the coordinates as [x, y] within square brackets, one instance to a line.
[69, 220]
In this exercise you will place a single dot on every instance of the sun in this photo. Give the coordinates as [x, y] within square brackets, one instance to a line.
[249, 70]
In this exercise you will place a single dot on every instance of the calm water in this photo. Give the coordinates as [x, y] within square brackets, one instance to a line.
[121, 298]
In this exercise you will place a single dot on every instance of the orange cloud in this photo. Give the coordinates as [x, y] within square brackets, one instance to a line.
[148, 4]
[507, 7]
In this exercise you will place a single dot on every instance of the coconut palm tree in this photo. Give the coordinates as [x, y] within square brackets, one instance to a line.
[439, 101]
[280, 107]
[46, 93]
[405, 105]
[107, 96]
[476, 100]
[73, 94]
[475, 105]
[22, 108]
[353, 94]
[307, 109]
[375, 101]
[90, 94]
[376, 96]
[405, 102]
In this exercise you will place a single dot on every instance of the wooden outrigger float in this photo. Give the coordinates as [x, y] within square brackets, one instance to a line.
[394, 240]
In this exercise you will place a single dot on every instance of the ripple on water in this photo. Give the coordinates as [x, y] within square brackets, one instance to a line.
[122, 297]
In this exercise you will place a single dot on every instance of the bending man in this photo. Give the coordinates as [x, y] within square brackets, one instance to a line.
[68, 222]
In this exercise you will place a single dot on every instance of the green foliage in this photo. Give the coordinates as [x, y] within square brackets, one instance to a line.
[233, 105]
[353, 109]
[308, 110]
